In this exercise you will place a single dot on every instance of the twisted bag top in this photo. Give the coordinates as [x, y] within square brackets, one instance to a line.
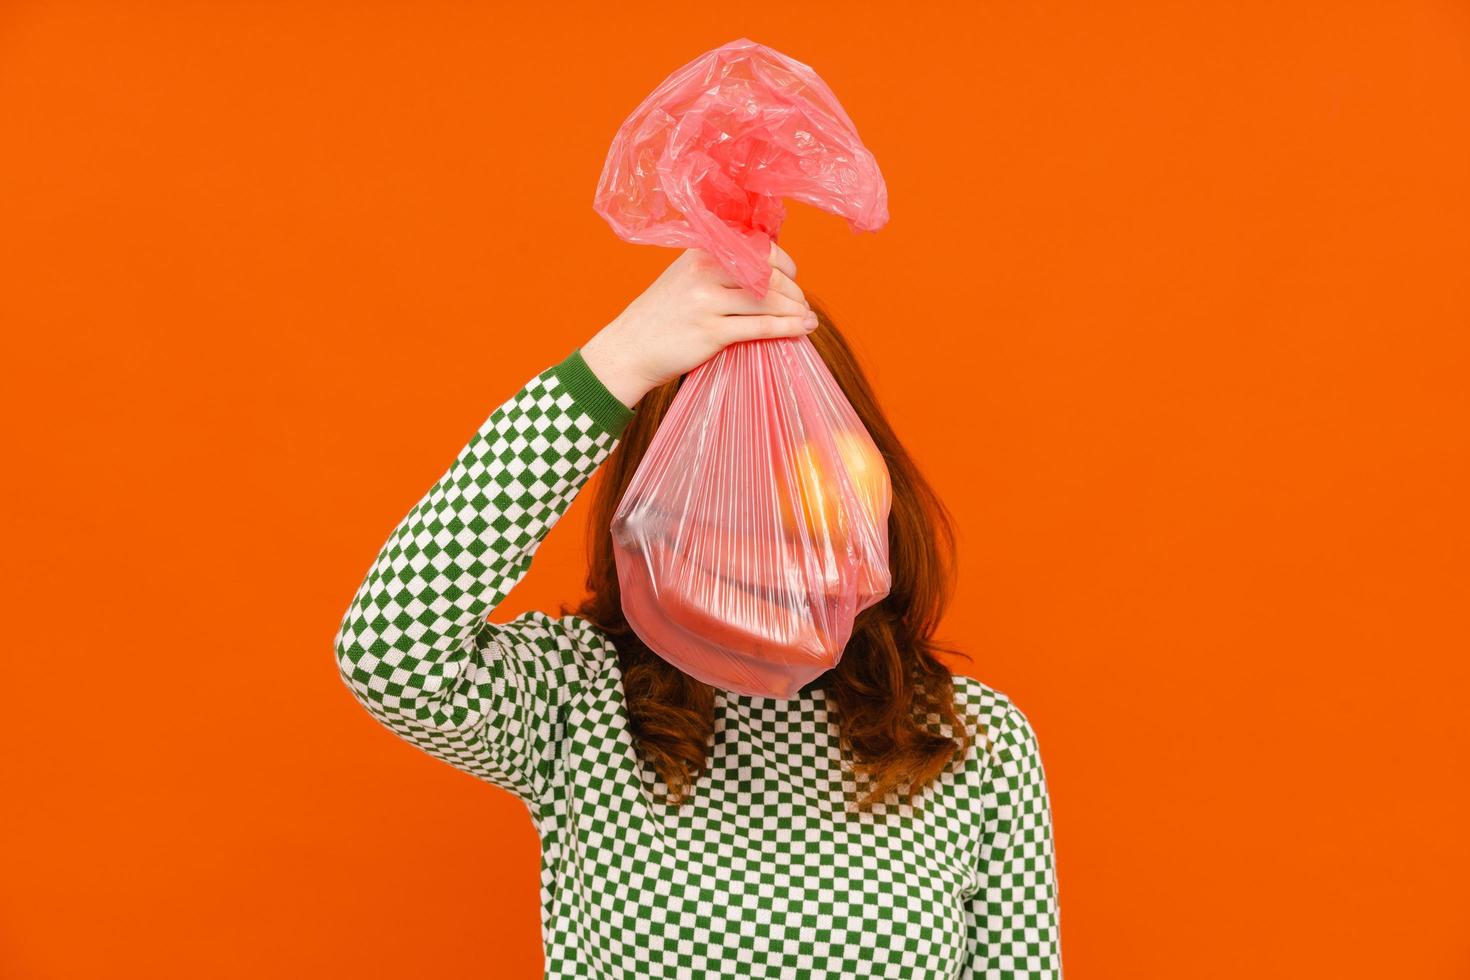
[706, 159]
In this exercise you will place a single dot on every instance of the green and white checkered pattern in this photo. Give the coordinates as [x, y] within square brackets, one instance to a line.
[768, 870]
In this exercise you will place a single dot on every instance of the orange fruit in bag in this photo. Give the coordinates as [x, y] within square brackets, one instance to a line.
[819, 487]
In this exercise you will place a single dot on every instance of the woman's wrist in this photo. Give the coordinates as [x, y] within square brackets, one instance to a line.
[610, 360]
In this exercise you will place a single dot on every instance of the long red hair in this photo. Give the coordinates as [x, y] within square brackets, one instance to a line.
[889, 680]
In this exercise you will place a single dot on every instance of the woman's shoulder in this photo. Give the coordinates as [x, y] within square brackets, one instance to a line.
[1000, 729]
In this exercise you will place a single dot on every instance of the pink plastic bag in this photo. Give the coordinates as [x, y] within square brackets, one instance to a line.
[705, 160]
[756, 527]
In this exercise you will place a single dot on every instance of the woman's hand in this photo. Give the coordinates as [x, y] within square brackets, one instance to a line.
[690, 313]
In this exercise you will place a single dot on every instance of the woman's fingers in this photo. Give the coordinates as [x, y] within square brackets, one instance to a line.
[784, 284]
[783, 297]
[761, 326]
[779, 259]
[772, 303]
[782, 312]
[783, 271]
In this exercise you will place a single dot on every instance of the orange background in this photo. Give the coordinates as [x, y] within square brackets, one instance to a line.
[1173, 306]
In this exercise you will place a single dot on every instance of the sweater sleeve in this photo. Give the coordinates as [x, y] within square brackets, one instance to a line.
[415, 648]
[1013, 918]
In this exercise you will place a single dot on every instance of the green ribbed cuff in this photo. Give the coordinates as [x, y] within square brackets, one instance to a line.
[592, 395]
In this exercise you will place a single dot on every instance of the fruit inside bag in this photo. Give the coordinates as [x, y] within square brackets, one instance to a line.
[756, 526]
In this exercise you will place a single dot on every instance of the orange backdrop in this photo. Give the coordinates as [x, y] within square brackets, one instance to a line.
[1173, 305]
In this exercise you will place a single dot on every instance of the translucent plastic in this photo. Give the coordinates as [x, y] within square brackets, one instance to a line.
[706, 159]
[756, 526]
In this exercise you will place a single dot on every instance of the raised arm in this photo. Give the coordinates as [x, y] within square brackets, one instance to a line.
[1013, 918]
[414, 646]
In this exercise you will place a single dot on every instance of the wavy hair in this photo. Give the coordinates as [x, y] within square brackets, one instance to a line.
[889, 680]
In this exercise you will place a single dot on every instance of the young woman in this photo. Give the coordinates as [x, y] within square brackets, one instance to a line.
[891, 820]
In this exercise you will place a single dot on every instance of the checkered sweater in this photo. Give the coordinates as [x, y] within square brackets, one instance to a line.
[768, 870]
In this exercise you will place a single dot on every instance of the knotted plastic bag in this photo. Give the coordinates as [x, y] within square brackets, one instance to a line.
[756, 526]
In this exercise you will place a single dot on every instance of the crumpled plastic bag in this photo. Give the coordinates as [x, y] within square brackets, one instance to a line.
[706, 159]
[756, 526]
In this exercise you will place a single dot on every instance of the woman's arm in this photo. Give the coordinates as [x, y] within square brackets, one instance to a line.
[414, 646]
[1013, 918]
